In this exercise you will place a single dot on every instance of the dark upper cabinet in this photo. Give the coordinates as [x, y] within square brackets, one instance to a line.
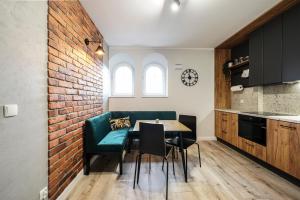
[272, 52]
[291, 45]
[256, 58]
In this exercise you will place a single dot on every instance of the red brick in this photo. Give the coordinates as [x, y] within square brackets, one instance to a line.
[71, 91]
[56, 134]
[57, 119]
[65, 110]
[77, 98]
[55, 105]
[52, 113]
[56, 90]
[65, 84]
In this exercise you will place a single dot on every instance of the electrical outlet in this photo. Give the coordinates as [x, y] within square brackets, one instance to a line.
[44, 193]
[242, 101]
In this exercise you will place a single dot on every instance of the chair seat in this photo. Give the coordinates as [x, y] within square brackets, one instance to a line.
[186, 142]
[113, 141]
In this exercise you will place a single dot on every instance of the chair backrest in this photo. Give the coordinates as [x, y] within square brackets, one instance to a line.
[152, 139]
[190, 122]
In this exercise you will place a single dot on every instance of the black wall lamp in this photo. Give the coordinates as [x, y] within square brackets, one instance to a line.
[99, 50]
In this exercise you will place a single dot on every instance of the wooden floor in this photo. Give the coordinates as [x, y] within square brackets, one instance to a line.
[225, 174]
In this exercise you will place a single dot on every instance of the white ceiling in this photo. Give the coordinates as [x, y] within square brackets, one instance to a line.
[151, 23]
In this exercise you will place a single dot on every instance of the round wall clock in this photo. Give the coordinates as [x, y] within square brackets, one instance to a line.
[189, 77]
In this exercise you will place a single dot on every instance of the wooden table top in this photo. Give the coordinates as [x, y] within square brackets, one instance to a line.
[169, 125]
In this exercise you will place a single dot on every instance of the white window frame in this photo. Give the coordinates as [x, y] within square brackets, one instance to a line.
[165, 80]
[113, 79]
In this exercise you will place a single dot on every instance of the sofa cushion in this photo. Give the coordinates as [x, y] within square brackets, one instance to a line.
[96, 128]
[114, 141]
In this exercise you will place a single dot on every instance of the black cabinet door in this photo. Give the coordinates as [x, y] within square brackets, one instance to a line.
[272, 52]
[256, 58]
[291, 45]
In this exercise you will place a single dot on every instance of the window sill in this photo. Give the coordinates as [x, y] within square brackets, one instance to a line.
[122, 97]
[155, 96]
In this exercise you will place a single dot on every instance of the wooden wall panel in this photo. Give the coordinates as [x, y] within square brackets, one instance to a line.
[222, 85]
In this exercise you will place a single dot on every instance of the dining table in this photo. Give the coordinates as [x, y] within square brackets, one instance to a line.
[170, 126]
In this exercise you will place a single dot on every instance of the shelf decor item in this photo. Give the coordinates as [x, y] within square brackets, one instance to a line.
[189, 77]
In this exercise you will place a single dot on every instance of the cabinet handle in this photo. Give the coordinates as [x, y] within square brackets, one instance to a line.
[288, 127]
[224, 132]
[224, 120]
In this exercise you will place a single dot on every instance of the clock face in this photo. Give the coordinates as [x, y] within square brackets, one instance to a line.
[189, 77]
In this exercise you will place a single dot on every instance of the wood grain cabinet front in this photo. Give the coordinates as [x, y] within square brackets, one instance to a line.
[226, 127]
[283, 146]
[252, 148]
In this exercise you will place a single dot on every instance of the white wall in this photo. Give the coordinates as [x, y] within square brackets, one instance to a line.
[23, 81]
[197, 100]
[106, 78]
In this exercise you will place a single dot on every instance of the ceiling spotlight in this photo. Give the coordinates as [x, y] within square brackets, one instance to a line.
[99, 50]
[175, 5]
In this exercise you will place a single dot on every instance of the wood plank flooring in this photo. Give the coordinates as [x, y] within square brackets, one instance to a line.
[224, 175]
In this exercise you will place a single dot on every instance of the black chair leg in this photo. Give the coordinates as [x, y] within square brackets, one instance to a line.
[149, 163]
[136, 162]
[167, 179]
[121, 163]
[173, 155]
[186, 163]
[139, 167]
[87, 158]
[163, 164]
[129, 144]
[199, 153]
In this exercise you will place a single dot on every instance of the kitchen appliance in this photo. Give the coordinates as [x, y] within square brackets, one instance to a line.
[252, 128]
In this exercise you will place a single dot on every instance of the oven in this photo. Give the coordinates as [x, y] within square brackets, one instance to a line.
[253, 129]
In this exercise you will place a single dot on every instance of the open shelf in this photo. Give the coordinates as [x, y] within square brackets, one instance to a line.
[239, 65]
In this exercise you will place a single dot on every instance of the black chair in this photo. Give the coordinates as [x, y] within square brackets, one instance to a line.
[188, 139]
[152, 142]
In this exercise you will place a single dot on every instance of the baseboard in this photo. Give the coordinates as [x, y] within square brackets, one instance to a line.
[70, 187]
[207, 138]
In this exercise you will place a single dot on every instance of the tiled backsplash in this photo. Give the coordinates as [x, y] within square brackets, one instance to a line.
[280, 98]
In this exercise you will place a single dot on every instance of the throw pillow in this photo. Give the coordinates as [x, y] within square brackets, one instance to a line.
[116, 124]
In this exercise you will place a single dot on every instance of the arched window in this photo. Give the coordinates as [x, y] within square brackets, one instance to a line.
[155, 77]
[122, 80]
[155, 80]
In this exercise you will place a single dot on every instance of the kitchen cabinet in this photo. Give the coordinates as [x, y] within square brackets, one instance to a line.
[272, 52]
[227, 127]
[283, 146]
[291, 45]
[256, 58]
[252, 148]
[218, 123]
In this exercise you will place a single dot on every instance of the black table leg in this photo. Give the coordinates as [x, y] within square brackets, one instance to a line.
[183, 157]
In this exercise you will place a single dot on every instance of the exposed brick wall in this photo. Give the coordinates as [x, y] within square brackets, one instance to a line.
[74, 89]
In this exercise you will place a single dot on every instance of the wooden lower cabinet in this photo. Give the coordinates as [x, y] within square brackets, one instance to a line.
[283, 142]
[252, 148]
[283, 146]
[226, 127]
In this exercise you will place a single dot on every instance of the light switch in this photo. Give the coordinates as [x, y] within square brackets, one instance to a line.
[10, 110]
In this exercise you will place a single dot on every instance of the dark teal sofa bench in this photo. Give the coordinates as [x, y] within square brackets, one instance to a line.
[99, 138]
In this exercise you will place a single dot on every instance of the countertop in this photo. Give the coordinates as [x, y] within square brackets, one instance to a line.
[286, 118]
